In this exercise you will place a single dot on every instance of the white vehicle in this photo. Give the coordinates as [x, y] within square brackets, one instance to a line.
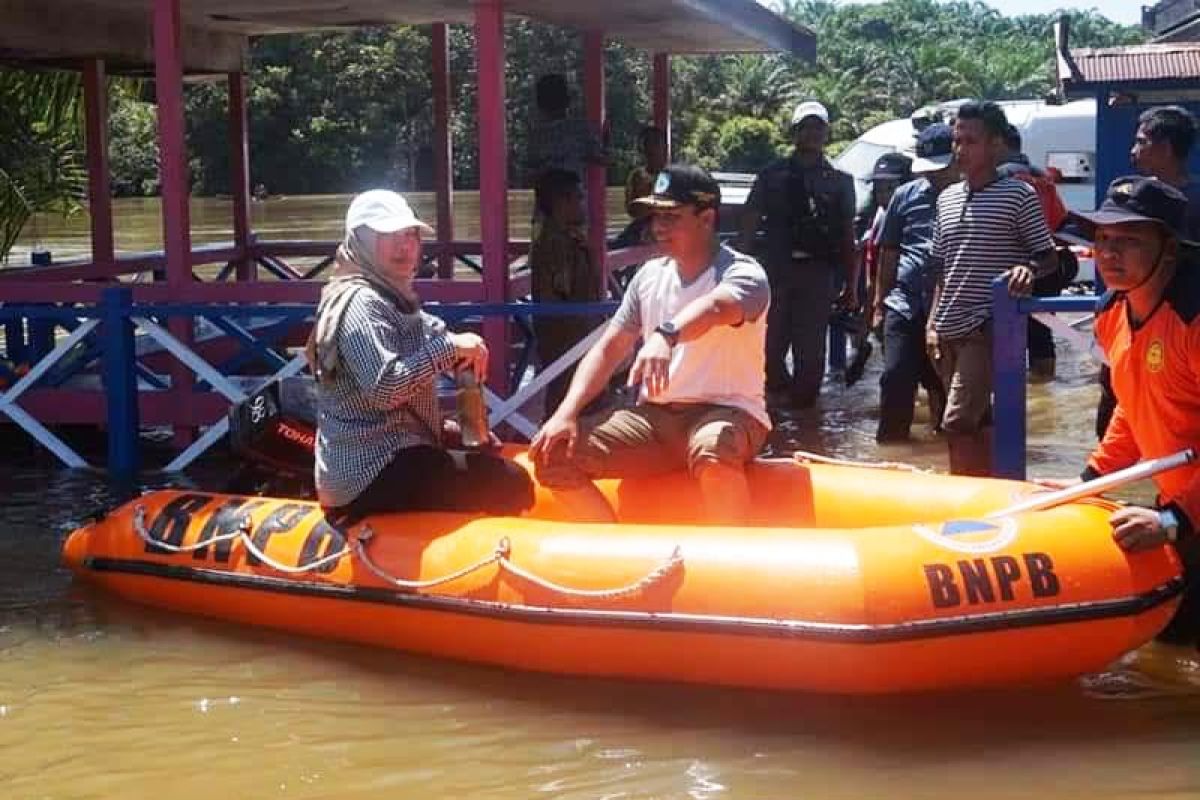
[1058, 138]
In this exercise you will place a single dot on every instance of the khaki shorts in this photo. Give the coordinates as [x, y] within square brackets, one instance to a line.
[652, 439]
[966, 369]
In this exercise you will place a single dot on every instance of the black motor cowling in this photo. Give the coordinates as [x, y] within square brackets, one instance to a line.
[274, 433]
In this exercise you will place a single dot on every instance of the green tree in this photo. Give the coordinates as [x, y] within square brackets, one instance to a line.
[133, 143]
[41, 159]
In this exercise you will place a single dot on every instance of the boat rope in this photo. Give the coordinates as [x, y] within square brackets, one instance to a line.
[242, 533]
[358, 547]
[673, 563]
[802, 457]
[139, 525]
[366, 534]
[258, 553]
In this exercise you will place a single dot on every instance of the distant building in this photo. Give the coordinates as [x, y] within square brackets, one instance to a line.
[1173, 20]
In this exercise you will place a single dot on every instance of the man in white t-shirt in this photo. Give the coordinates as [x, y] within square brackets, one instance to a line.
[700, 314]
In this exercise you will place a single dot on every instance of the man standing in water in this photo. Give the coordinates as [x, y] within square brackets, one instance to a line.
[985, 226]
[1149, 327]
[700, 315]
[904, 289]
[807, 209]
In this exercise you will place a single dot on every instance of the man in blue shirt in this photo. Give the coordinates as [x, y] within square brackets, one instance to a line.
[1161, 149]
[904, 288]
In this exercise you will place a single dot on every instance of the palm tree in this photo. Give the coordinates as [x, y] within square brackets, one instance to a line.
[41, 159]
[757, 86]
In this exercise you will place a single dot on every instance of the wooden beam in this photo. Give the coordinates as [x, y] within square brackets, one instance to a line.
[443, 159]
[661, 79]
[95, 102]
[239, 174]
[597, 174]
[493, 179]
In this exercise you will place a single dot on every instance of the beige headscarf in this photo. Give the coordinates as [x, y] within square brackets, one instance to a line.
[354, 268]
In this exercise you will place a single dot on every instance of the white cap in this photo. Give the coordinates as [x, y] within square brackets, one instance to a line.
[383, 212]
[810, 108]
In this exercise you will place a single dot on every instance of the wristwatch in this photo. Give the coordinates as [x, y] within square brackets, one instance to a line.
[669, 332]
[1168, 520]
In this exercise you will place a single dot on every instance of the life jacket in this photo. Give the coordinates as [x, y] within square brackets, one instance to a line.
[1053, 209]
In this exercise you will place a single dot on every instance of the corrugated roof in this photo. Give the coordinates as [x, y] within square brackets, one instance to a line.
[1146, 62]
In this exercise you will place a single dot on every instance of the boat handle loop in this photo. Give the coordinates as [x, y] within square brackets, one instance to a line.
[358, 547]
[500, 556]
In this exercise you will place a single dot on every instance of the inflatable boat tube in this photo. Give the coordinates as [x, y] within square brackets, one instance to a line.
[847, 580]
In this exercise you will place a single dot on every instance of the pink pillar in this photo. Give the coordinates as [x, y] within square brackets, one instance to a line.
[95, 102]
[597, 177]
[168, 86]
[493, 180]
[239, 174]
[662, 96]
[443, 175]
[177, 241]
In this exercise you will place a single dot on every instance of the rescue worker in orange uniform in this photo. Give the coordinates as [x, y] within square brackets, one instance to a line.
[1149, 327]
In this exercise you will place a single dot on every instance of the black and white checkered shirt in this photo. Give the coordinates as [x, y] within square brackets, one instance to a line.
[382, 399]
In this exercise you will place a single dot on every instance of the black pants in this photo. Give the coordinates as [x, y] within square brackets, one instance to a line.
[1041, 341]
[797, 321]
[427, 478]
[1041, 338]
[1107, 403]
[905, 365]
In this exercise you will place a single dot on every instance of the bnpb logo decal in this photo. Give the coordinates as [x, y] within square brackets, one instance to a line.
[970, 535]
[1156, 356]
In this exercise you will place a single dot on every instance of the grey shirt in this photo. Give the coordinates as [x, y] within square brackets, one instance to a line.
[383, 398]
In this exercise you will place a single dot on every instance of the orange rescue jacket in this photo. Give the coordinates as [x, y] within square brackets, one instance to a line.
[1156, 378]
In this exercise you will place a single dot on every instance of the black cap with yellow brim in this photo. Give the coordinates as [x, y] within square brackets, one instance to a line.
[682, 185]
[1134, 198]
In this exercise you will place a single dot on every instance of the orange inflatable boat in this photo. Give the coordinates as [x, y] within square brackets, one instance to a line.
[849, 580]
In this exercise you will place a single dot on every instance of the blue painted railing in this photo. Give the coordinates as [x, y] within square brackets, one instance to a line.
[1010, 318]
[112, 347]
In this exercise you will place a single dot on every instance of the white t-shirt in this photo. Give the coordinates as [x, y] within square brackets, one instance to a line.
[727, 365]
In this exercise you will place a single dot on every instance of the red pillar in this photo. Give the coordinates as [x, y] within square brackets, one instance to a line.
[239, 174]
[177, 240]
[443, 175]
[662, 96]
[597, 177]
[493, 179]
[95, 102]
[168, 86]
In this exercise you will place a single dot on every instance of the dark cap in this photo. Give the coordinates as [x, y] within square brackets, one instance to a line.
[892, 167]
[1137, 198]
[683, 185]
[935, 148]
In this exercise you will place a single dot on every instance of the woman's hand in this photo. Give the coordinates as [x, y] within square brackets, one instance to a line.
[470, 352]
[451, 433]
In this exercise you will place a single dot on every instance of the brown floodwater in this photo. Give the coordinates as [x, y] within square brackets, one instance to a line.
[100, 699]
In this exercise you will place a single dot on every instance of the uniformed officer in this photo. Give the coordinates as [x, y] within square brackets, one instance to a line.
[806, 207]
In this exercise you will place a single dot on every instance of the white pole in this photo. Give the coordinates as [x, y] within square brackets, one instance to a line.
[1104, 483]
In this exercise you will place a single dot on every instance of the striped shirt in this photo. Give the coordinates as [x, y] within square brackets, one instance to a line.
[978, 236]
[383, 398]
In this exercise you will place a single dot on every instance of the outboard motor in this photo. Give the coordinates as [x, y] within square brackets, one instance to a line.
[274, 433]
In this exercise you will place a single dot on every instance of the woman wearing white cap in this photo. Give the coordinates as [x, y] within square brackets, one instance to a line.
[381, 440]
